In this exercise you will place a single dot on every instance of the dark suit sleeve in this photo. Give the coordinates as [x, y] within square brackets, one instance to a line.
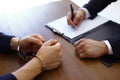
[95, 6]
[5, 42]
[8, 77]
[115, 44]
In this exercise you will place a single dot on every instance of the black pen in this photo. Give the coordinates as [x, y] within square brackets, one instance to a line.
[72, 12]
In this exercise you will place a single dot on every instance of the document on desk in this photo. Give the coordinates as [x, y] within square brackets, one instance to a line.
[61, 27]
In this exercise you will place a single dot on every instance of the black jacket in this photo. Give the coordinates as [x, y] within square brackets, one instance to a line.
[5, 42]
[95, 6]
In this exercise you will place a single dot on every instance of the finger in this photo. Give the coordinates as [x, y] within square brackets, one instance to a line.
[38, 37]
[78, 50]
[77, 19]
[35, 41]
[82, 56]
[79, 42]
[69, 20]
[58, 46]
[50, 42]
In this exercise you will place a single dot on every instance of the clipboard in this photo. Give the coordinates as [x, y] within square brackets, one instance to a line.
[88, 26]
[75, 38]
[107, 29]
[65, 37]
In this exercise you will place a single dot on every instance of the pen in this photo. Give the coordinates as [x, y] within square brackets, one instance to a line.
[72, 12]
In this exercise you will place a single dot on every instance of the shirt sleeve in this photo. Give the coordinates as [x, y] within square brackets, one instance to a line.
[8, 77]
[110, 51]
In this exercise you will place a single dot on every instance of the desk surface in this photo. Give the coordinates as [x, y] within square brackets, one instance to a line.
[32, 20]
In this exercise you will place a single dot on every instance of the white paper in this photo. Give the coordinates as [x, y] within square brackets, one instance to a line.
[88, 24]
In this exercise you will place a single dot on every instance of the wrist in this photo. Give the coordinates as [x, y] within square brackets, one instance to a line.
[41, 61]
[14, 43]
[38, 64]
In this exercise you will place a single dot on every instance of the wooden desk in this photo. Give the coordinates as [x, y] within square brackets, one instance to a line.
[32, 20]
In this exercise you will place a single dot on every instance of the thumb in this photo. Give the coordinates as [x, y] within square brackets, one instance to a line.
[77, 19]
[38, 37]
[57, 45]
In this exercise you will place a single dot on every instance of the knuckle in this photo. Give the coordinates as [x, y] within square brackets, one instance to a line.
[59, 48]
[76, 49]
[58, 63]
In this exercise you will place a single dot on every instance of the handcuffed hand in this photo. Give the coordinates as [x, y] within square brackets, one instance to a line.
[50, 53]
[31, 43]
[79, 16]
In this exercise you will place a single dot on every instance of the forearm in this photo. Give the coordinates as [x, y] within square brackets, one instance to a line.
[29, 71]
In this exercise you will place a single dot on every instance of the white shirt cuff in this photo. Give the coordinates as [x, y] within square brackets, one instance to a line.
[86, 11]
[109, 47]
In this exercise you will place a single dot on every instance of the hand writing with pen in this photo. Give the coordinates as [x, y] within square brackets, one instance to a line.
[74, 18]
